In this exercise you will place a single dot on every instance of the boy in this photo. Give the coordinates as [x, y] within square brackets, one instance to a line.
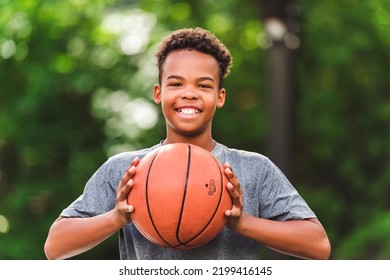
[266, 208]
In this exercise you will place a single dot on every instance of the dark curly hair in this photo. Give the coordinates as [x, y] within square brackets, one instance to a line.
[197, 39]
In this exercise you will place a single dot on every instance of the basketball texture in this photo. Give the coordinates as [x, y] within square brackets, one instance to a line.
[179, 196]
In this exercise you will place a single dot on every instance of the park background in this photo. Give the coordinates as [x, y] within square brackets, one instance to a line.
[309, 88]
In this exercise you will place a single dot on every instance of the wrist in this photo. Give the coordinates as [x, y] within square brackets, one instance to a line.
[119, 219]
[237, 224]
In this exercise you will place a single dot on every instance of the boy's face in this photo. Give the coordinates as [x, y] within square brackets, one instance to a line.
[189, 92]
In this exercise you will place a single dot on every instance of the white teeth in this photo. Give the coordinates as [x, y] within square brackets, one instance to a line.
[188, 111]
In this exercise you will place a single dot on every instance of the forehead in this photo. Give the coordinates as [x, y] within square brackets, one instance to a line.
[190, 62]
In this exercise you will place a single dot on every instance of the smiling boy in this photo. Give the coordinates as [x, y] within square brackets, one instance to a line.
[266, 210]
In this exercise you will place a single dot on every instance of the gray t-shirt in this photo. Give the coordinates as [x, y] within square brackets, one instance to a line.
[267, 194]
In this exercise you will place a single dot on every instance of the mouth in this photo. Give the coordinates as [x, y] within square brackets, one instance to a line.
[188, 111]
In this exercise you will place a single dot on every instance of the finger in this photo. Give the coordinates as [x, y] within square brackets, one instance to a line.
[126, 208]
[234, 194]
[135, 161]
[233, 213]
[229, 172]
[233, 179]
[129, 174]
[123, 192]
[130, 171]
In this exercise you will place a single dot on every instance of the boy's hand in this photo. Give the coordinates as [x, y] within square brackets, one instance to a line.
[233, 186]
[124, 188]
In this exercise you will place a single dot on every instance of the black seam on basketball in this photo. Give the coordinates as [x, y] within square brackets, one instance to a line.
[184, 195]
[215, 211]
[147, 201]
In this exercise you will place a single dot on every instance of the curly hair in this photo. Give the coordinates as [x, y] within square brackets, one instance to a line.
[197, 39]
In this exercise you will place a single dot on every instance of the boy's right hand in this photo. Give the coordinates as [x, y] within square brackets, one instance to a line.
[124, 188]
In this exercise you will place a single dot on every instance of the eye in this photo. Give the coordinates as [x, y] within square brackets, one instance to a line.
[206, 86]
[175, 84]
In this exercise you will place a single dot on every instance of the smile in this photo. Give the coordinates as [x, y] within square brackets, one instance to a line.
[188, 111]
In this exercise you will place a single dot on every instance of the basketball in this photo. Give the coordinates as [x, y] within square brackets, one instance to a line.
[179, 196]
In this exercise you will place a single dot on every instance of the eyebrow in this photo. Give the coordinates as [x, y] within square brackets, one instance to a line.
[182, 78]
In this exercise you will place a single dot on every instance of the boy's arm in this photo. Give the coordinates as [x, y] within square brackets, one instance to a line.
[72, 236]
[301, 238]
[69, 237]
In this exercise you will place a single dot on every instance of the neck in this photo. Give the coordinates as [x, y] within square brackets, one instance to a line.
[207, 144]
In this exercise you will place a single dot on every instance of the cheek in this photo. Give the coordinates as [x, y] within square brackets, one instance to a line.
[165, 102]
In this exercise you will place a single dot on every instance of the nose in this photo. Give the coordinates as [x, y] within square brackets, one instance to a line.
[189, 93]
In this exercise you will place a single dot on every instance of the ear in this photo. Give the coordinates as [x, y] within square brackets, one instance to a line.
[157, 94]
[221, 98]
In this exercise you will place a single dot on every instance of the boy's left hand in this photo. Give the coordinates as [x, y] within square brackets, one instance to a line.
[233, 186]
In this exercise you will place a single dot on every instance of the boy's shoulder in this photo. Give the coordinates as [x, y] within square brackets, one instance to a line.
[240, 153]
[128, 156]
[246, 161]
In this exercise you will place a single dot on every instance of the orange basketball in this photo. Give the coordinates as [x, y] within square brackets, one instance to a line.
[179, 196]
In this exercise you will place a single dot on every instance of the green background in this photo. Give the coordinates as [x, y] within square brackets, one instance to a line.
[76, 80]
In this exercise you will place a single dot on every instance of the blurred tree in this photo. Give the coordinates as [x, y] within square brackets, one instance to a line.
[281, 19]
[49, 141]
[343, 124]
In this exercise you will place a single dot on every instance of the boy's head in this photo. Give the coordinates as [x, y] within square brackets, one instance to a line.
[197, 39]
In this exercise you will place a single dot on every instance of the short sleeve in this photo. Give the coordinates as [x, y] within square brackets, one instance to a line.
[279, 199]
[99, 193]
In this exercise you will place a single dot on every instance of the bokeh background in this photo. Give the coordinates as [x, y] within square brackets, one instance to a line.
[309, 88]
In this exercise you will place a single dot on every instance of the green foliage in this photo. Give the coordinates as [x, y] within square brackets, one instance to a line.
[368, 241]
[49, 142]
[76, 80]
[344, 127]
